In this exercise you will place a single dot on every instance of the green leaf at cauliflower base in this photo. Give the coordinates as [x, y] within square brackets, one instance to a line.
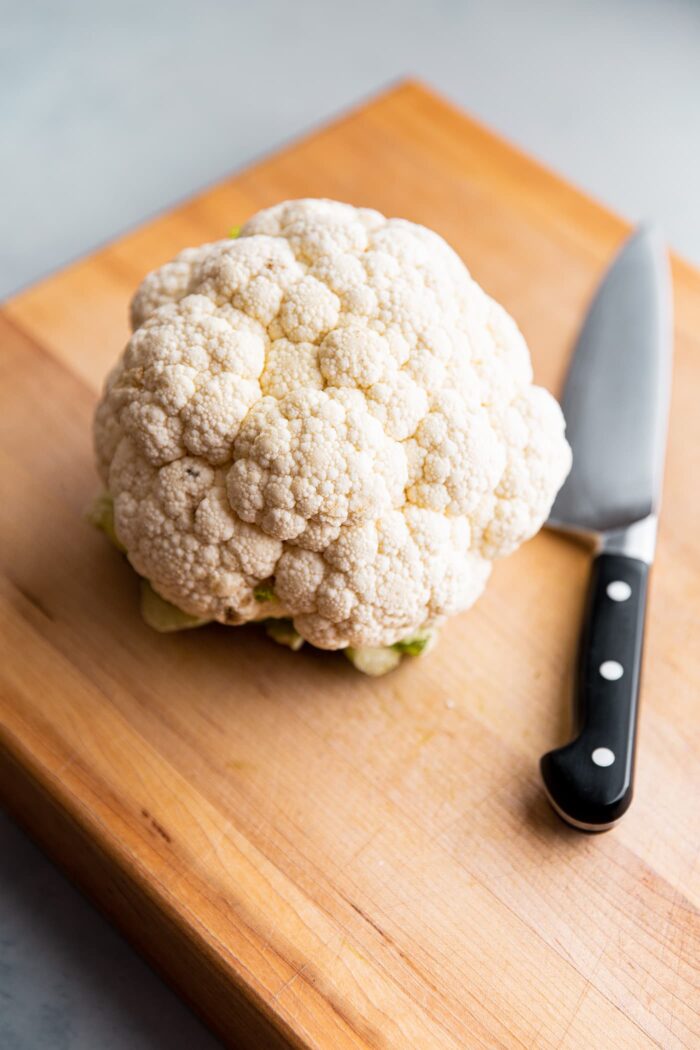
[101, 515]
[282, 631]
[162, 616]
[380, 660]
[415, 644]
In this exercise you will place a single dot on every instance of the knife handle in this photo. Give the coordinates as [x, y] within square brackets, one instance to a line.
[589, 781]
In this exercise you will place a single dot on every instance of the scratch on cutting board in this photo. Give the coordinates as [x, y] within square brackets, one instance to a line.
[30, 597]
[158, 828]
[240, 765]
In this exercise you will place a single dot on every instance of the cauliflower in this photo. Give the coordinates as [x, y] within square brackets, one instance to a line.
[326, 420]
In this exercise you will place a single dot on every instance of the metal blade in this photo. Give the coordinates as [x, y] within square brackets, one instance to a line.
[616, 394]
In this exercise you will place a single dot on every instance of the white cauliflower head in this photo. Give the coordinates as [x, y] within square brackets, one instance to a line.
[330, 410]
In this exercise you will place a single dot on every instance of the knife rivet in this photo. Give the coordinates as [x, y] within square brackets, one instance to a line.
[603, 756]
[618, 590]
[611, 670]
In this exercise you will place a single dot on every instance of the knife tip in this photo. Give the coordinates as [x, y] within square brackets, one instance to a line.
[651, 232]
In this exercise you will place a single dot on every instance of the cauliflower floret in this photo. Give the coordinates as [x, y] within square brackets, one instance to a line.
[327, 420]
[314, 458]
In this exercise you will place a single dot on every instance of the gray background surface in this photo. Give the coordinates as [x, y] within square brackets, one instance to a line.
[111, 111]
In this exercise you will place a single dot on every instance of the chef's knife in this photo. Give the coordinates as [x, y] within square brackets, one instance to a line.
[615, 404]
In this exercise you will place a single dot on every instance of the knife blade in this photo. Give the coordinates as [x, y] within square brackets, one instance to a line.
[615, 403]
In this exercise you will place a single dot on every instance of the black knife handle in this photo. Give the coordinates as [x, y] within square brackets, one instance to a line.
[590, 780]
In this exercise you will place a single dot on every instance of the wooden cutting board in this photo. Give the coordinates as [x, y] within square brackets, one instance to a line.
[315, 859]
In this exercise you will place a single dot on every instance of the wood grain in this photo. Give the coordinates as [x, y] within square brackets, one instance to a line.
[317, 860]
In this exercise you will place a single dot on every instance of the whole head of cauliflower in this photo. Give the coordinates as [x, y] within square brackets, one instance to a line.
[325, 419]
